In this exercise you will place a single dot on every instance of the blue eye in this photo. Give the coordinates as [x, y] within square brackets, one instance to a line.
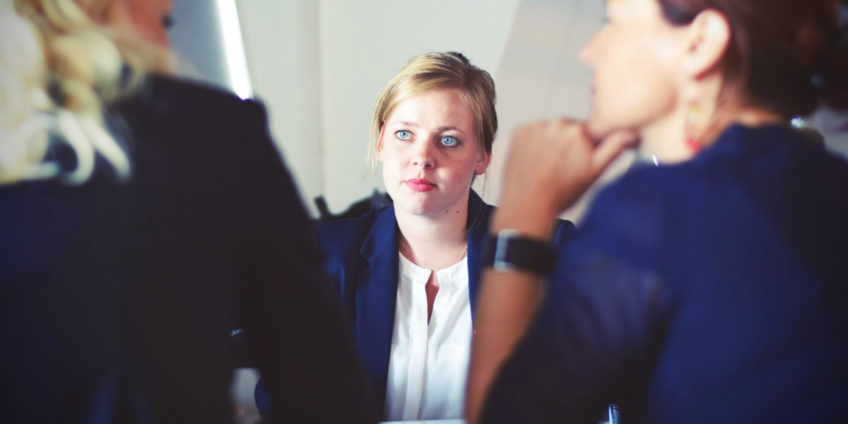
[403, 134]
[450, 141]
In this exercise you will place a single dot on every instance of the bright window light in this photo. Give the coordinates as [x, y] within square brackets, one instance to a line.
[234, 48]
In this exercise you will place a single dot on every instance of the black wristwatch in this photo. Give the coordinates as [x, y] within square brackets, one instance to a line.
[507, 250]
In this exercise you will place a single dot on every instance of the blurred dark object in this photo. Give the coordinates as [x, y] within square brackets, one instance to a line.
[377, 200]
[813, 135]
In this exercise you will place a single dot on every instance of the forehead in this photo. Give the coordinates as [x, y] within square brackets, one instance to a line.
[644, 12]
[152, 4]
[441, 104]
[631, 4]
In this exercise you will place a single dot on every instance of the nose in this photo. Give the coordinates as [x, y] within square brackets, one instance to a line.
[423, 155]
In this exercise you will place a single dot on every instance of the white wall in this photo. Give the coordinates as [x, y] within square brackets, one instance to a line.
[281, 45]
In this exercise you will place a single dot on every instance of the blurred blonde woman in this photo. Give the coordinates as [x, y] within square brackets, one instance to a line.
[142, 219]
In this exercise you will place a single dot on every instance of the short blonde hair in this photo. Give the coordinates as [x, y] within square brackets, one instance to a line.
[433, 71]
[62, 64]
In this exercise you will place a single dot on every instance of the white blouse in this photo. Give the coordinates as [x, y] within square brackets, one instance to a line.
[428, 365]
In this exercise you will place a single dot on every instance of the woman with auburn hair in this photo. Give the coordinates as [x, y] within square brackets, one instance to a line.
[710, 288]
[407, 274]
[142, 218]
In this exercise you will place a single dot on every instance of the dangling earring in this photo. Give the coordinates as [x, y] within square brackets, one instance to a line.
[694, 117]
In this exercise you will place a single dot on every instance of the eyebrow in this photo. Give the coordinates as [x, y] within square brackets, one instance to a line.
[404, 123]
[413, 124]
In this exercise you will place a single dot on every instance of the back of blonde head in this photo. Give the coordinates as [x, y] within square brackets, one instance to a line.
[432, 71]
[60, 67]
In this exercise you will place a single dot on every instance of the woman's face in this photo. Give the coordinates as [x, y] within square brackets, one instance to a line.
[429, 151]
[152, 19]
[635, 60]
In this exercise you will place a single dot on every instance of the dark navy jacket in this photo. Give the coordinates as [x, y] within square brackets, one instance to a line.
[117, 299]
[712, 291]
[362, 263]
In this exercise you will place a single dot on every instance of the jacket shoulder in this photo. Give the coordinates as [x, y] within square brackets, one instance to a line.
[190, 106]
[480, 215]
[342, 237]
[182, 93]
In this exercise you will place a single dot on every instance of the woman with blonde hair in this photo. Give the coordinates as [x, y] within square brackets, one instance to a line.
[710, 288]
[407, 274]
[142, 219]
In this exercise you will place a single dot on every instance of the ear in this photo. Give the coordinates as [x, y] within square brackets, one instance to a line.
[482, 163]
[708, 39]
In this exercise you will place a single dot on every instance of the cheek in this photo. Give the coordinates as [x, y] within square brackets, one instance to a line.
[390, 178]
[632, 107]
[464, 171]
[632, 91]
[481, 164]
[391, 158]
[387, 165]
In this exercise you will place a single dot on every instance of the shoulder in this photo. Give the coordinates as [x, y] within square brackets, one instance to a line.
[480, 215]
[183, 97]
[627, 219]
[742, 161]
[180, 106]
[339, 238]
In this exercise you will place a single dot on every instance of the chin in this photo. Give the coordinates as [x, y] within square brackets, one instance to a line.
[597, 128]
[412, 206]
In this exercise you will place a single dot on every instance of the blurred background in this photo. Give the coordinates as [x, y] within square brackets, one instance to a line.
[318, 66]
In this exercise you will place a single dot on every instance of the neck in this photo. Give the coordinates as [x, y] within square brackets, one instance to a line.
[433, 242]
[666, 138]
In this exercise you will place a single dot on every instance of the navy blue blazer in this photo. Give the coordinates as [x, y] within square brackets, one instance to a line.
[118, 299]
[711, 291]
[362, 263]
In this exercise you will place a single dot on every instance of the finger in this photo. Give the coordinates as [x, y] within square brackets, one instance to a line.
[563, 120]
[587, 133]
[611, 146]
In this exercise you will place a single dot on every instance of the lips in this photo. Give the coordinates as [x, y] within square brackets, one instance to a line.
[419, 184]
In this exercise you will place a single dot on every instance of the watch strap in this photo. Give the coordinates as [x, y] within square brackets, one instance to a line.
[508, 250]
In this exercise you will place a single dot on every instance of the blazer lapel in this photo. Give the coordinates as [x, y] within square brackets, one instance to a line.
[376, 292]
[478, 228]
